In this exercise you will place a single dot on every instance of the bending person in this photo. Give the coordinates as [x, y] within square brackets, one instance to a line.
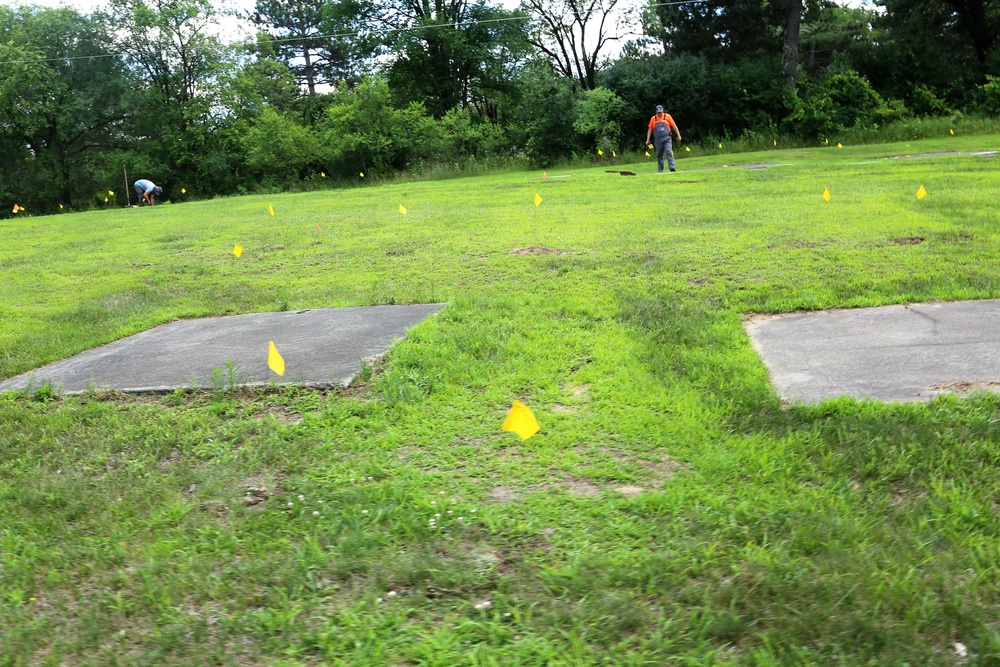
[148, 191]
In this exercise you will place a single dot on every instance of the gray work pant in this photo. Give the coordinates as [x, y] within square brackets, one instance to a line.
[664, 145]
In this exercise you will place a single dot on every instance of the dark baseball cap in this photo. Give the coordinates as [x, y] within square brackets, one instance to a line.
[659, 108]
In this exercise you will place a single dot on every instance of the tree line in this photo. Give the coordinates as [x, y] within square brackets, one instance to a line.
[340, 88]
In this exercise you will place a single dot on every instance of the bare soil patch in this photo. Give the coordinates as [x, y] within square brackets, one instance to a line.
[538, 250]
[908, 240]
[966, 386]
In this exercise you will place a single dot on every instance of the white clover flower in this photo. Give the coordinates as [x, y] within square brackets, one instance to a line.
[291, 504]
[301, 497]
[378, 599]
[315, 513]
[433, 502]
[473, 510]
[437, 516]
[352, 480]
[442, 493]
[459, 518]
[485, 604]
[391, 594]
[321, 502]
[364, 511]
[449, 511]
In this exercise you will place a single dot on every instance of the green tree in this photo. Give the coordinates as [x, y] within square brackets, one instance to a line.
[61, 106]
[452, 53]
[178, 65]
[300, 34]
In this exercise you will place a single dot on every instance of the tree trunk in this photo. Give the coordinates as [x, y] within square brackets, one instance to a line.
[790, 54]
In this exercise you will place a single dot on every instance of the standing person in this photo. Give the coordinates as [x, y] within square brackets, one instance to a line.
[659, 126]
[147, 191]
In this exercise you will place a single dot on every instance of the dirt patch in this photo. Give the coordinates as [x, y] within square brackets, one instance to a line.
[965, 386]
[580, 488]
[538, 250]
[908, 240]
[623, 172]
[259, 487]
[699, 282]
[664, 470]
[560, 409]
[628, 490]
[504, 494]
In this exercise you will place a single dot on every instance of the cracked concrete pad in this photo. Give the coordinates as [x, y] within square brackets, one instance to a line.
[321, 348]
[893, 353]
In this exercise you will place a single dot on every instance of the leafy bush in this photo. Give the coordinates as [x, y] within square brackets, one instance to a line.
[991, 95]
[598, 118]
[278, 148]
[925, 102]
[853, 98]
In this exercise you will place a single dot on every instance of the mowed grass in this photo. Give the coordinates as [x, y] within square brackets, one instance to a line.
[671, 511]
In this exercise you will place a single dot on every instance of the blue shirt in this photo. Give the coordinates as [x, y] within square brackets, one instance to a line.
[145, 185]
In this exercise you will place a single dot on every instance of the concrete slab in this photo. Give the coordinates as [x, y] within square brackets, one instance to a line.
[321, 348]
[893, 353]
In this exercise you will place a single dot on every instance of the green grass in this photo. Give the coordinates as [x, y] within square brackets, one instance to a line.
[848, 533]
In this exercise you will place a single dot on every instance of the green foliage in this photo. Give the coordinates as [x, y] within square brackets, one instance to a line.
[924, 102]
[598, 116]
[991, 95]
[276, 148]
[547, 113]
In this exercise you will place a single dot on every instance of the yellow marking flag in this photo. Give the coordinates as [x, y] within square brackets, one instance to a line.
[402, 209]
[840, 145]
[237, 250]
[687, 148]
[274, 360]
[827, 141]
[952, 131]
[105, 200]
[521, 420]
[647, 153]
[826, 194]
[322, 174]
[613, 154]
[600, 152]
[111, 193]
[270, 209]
[775, 142]
[921, 193]
[183, 191]
[720, 145]
[538, 199]
[60, 207]
[361, 174]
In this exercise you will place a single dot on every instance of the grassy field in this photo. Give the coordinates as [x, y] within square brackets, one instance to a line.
[671, 511]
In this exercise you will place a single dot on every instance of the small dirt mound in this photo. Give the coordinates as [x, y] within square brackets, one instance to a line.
[537, 250]
[908, 240]
[623, 172]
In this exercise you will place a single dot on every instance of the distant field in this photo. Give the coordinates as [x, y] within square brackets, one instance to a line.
[670, 511]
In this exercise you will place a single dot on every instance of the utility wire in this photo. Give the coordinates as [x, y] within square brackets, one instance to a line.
[357, 33]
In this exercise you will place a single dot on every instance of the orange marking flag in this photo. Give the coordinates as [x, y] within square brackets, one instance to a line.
[521, 420]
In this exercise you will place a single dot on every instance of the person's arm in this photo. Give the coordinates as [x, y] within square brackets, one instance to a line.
[145, 195]
[677, 131]
[649, 131]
